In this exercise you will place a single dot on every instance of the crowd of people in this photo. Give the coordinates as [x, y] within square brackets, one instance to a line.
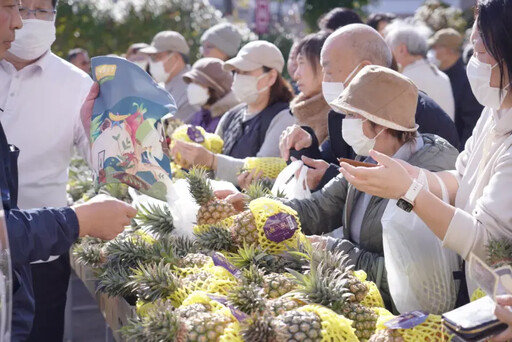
[385, 92]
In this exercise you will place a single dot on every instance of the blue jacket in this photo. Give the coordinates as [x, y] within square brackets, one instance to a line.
[33, 235]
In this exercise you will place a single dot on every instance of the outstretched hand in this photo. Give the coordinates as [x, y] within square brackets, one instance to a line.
[390, 179]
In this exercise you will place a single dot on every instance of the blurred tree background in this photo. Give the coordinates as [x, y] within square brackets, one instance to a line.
[111, 29]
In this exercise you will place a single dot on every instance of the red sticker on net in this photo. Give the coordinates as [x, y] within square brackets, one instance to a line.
[280, 227]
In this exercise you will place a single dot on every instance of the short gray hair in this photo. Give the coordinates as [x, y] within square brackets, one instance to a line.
[415, 42]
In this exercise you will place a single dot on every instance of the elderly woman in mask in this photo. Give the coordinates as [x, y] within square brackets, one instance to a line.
[251, 129]
[479, 186]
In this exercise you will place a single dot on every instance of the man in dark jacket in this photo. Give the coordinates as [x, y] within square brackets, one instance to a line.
[446, 45]
[37, 234]
[341, 60]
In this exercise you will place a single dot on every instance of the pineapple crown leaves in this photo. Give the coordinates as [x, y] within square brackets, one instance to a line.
[113, 282]
[327, 288]
[257, 190]
[160, 324]
[216, 238]
[259, 328]
[87, 253]
[247, 255]
[128, 250]
[199, 185]
[153, 281]
[156, 218]
[249, 298]
[253, 275]
[499, 252]
[331, 260]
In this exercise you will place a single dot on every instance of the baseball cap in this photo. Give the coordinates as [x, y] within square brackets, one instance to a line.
[167, 41]
[255, 55]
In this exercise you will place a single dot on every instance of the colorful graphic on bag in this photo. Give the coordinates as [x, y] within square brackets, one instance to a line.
[127, 133]
[280, 227]
[195, 135]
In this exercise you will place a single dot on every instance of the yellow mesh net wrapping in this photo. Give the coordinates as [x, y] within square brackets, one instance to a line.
[231, 333]
[201, 297]
[431, 330]
[226, 223]
[384, 316]
[271, 166]
[212, 142]
[479, 293]
[361, 275]
[335, 328]
[263, 209]
[214, 279]
[373, 298]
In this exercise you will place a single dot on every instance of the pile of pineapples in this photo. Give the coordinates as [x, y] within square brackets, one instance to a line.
[247, 276]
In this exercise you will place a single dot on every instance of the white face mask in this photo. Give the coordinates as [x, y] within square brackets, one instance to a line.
[197, 95]
[33, 39]
[331, 90]
[245, 87]
[353, 134]
[431, 57]
[157, 70]
[142, 64]
[479, 75]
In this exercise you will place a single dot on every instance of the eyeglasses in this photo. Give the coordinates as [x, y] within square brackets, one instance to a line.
[40, 14]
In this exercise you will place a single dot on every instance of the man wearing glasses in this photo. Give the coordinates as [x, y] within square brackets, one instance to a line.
[41, 95]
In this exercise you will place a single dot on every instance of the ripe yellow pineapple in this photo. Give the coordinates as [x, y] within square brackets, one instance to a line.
[212, 210]
[197, 134]
[277, 285]
[244, 229]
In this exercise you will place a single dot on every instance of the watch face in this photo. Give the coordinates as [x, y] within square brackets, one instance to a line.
[404, 205]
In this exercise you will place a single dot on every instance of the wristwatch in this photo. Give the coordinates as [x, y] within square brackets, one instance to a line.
[406, 202]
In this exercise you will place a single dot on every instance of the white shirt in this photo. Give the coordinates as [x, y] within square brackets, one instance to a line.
[41, 104]
[434, 82]
[484, 197]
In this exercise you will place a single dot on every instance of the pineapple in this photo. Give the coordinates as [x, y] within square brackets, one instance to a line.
[277, 285]
[212, 210]
[249, 255]
[281, 305]
[216, 238]
[206, 326]
[157, 219]
[247, 298]
[244, 229]
[194, 260]
[333, 290]
[189, 311]
[257, 190]
[253, 275]
[259, 328]
[299, 326]
[160, 324]
[499, 253]
[387, 335]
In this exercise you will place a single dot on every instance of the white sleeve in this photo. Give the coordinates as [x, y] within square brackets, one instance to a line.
[270, 147]
[491, 218]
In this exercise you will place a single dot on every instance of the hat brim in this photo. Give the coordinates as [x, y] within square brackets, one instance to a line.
[344, 107]
[191, 76]
[241, 64]
[149, 50]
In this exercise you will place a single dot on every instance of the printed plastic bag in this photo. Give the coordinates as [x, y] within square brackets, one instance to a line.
[419, 269]
[291, 186]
